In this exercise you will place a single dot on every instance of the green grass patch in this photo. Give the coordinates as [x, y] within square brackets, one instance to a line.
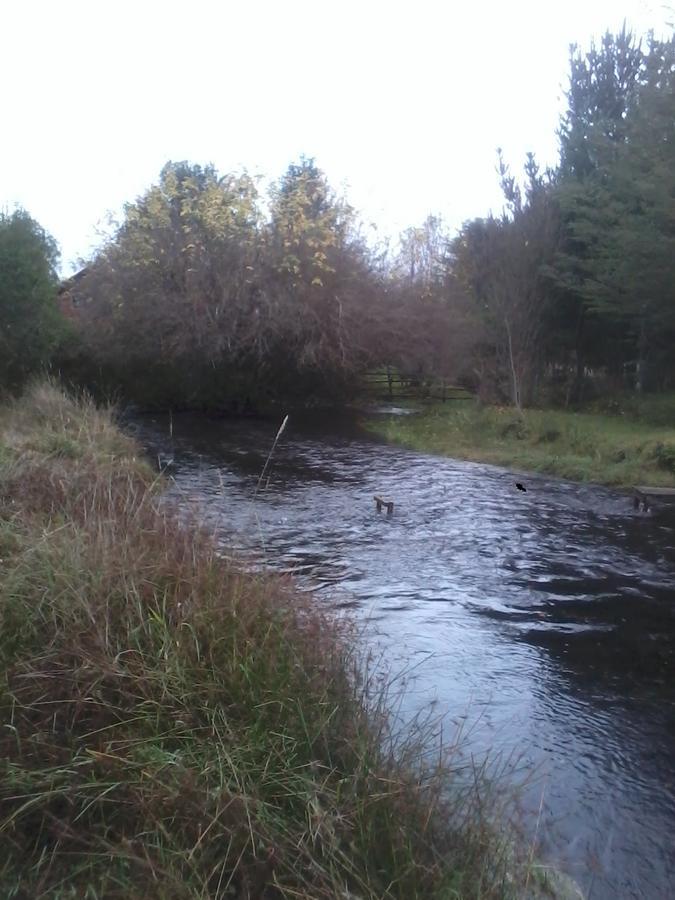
[174, 727]
[608, 448]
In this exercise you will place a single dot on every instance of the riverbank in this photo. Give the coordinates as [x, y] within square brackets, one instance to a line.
[613, 449]
[177, 728]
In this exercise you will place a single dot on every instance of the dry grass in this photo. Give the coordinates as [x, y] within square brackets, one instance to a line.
[175, 728]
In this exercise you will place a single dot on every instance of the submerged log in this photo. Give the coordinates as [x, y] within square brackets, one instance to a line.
[380, 502]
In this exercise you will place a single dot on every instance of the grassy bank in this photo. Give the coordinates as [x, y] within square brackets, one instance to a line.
[175, 728]
[632, 445]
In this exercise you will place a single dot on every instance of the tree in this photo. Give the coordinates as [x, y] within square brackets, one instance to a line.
[618, 208]
[173, 291]
[433, 329]
[321, 280]
[30, 326]
[602, 90]
[200, 300]
[503, 263]
[423, 254]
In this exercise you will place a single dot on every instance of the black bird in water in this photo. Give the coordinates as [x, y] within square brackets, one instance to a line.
[521, 487]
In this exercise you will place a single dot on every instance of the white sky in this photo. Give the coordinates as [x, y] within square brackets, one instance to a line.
[402, 103]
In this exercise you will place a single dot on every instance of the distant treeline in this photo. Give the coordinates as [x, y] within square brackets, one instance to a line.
[209, 294]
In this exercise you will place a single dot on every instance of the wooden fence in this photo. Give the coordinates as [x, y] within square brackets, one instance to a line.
[390, 384]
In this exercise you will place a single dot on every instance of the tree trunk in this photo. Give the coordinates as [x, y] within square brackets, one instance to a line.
[642, 354]
[515, 381]
[576, 381]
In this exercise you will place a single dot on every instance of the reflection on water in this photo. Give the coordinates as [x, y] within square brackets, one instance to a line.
[547, 617]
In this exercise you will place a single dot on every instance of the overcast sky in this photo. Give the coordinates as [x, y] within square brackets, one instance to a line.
[403, 104]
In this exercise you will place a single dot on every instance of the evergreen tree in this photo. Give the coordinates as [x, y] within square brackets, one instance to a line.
[30, 325]
[619, 212]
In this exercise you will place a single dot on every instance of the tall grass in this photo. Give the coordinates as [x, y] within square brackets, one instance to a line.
[622, 448]
[173, 727]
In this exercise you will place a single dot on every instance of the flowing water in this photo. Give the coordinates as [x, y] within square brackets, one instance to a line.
[543, 620]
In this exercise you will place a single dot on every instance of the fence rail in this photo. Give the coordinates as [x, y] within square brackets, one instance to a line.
[394, 385]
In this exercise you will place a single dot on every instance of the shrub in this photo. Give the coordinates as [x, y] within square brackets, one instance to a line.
[663, 453]
[30, 325]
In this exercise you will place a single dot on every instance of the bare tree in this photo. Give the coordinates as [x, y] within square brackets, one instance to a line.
[503, 262]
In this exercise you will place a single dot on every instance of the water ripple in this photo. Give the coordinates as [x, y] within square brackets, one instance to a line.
[542, 622]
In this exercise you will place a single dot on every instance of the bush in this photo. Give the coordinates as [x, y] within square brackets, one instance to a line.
[30, 325]
[664, 455]
[517, 429]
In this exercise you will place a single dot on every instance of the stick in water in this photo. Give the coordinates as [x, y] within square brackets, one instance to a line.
[269, 456]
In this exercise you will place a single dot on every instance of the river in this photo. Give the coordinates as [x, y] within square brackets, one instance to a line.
[540, 622]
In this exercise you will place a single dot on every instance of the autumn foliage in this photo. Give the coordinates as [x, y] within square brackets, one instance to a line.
[210, 295]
